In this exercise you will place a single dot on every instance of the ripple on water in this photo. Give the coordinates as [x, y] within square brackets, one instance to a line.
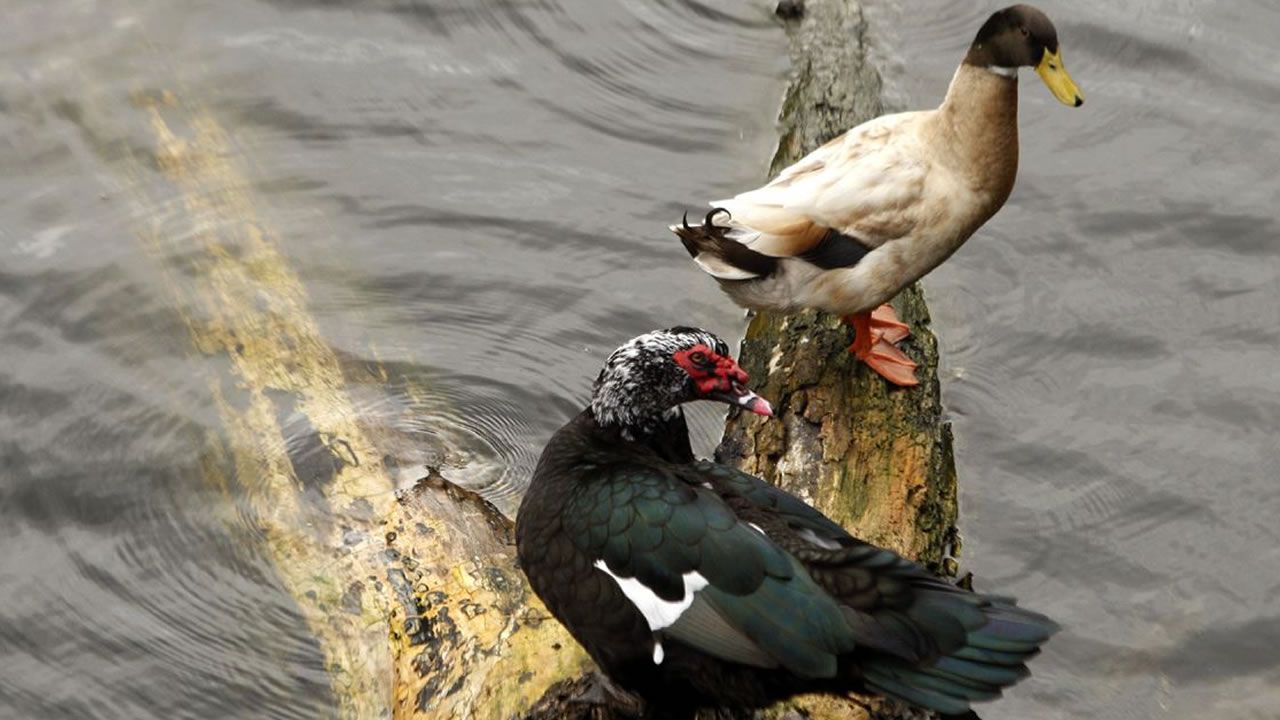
[472, 430]
[474, 196]
[130, 584]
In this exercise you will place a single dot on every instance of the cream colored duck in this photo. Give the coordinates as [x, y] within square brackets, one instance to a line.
[851, 224]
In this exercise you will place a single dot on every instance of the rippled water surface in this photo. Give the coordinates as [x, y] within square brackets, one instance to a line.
[1110, 340]
[466, 201]
[472, 196]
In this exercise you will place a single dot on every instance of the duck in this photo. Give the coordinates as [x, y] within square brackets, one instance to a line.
[693, 584]
[852, 223]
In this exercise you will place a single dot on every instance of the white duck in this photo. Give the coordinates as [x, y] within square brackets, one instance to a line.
[855, 221]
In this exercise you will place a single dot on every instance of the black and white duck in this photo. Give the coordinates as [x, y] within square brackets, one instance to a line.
[694, 584]
[848, 226]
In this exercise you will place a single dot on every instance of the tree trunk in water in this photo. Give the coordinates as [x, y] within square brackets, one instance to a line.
[876, 459]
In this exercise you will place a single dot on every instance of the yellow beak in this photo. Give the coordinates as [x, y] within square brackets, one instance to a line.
[1059, 82]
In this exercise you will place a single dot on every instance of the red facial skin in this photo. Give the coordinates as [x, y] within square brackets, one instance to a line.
[714, 373]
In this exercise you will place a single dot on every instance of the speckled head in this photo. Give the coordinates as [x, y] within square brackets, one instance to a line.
[650, 375]
[1022, 36]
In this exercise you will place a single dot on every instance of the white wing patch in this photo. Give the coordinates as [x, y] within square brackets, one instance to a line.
[658, 612]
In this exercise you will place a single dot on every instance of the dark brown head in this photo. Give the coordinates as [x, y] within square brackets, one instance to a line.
[1022, 36]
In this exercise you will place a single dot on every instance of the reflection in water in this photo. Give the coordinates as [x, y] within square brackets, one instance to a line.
[475, 198]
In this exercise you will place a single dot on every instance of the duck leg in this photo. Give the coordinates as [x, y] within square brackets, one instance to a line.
[875, 339]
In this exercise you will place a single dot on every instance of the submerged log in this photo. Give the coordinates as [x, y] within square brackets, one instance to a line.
[414, 600]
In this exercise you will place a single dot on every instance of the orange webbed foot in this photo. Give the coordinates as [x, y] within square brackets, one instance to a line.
[891, 329]
[876, 335]
[891, 363]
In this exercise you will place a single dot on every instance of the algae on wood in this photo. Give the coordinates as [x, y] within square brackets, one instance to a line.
[876, 459]
[415, 601]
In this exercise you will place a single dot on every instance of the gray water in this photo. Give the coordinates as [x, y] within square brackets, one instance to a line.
[1110, 342]
[473, 197]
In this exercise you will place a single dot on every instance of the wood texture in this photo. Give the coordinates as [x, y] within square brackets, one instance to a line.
[414, 600]
[876, 459]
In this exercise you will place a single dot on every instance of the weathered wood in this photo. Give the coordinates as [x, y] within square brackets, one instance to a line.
[876, 459]
[415, 601]
[470, 640]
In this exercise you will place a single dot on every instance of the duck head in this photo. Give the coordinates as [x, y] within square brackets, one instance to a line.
[1022, 36]
[651, 375]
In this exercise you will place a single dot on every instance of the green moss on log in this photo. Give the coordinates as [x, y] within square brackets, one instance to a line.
[875, 458]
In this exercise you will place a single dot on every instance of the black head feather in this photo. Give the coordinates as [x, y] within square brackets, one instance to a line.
[641, 382]
[1016, 36]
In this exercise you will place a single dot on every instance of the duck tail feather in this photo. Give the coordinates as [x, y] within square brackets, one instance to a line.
[992, 657]
[719, 255]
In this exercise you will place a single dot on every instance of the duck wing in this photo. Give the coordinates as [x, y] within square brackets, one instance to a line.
[756, 499]
[866, 184]
[700, 575]
[921, 638]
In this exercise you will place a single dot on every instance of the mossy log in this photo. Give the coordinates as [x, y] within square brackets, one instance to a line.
[876, 459]
[415, 600]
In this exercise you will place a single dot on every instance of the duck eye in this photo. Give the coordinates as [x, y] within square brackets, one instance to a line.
[698, 358]
[1025, 32]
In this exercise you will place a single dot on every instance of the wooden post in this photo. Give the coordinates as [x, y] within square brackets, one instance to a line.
[876, 459]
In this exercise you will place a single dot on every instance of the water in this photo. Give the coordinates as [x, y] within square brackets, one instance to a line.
[472, 196]
[1110, 345]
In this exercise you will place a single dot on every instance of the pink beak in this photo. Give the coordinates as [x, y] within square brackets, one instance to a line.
[744, 398]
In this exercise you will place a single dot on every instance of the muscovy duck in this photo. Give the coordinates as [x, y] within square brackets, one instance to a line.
[693, 584]
[848, 226]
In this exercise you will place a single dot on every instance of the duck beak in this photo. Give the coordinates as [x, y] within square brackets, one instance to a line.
[744, 398]
[1058, 80]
